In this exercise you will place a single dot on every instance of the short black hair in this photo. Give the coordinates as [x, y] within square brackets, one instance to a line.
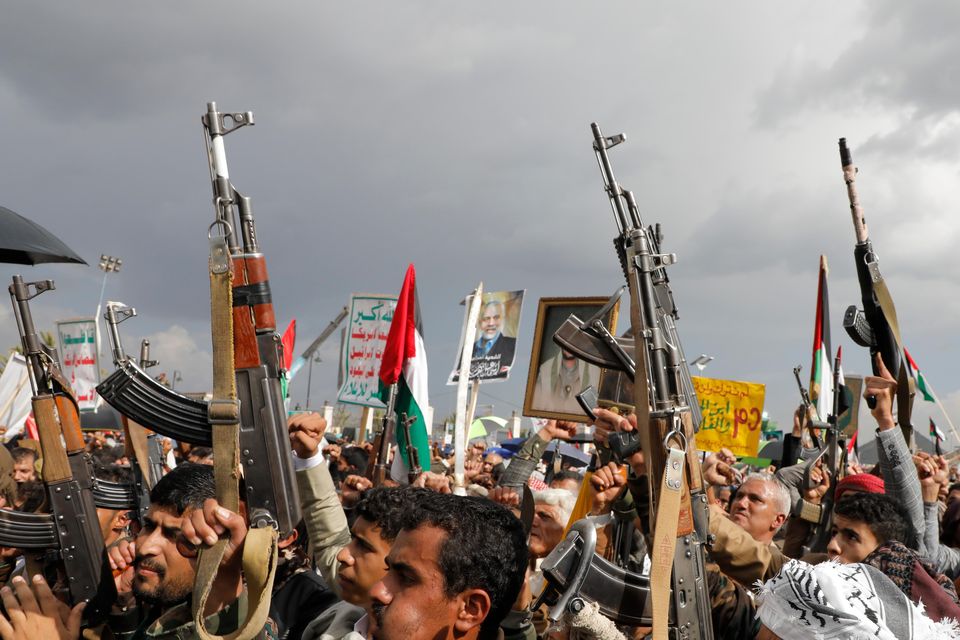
[485, 548]
[385, 508]
[567, 474]
[884, 517]
[200, 453]
[32, 496]
[357, 459]
[188, 485]
[19, 453]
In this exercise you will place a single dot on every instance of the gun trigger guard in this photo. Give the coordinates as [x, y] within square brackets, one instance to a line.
[223, 411]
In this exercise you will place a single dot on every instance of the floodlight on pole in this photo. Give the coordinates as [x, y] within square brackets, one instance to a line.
[701, 361]
[108, 264]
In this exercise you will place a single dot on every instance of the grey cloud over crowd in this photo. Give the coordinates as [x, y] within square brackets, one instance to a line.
[456, 137]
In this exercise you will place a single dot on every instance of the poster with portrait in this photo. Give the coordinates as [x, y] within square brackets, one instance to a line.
[495, 346]
[556, 376]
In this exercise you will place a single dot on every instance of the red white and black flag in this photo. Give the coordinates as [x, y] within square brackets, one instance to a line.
[821, 375]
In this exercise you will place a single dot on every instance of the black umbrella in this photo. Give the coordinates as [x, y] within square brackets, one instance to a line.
[25, 242]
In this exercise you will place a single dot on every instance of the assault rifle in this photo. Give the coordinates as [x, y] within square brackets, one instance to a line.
[71, 532]
[272, 498]
[142, 447]
[675, 596]
[379, 470]
[875, 326]
[829, 457]
[806, 404]
[155, 463]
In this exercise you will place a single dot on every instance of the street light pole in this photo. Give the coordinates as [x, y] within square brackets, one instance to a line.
[313, 359]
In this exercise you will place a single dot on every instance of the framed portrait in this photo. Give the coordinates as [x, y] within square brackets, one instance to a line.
[556, 377]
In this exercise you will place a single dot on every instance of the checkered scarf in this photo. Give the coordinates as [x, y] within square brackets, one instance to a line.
[848, 601]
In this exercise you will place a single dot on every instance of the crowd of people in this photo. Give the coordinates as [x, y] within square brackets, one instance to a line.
[423, 560]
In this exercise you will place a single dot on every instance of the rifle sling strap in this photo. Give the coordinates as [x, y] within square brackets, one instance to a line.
[665, 541]
[260, 546]
[905, 385]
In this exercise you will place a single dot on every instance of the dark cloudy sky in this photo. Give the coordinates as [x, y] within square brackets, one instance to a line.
[456, 136]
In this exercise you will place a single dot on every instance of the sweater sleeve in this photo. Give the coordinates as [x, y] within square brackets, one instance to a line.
[945, 559]
[901, 482]
[738, 555]
[324, 518]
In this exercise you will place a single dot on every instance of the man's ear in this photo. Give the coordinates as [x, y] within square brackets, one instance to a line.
[292, 537]
[778, 521]
[473, 609]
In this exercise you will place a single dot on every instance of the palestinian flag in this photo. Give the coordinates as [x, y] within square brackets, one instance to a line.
[821, 377]
[937, 436]
[922, 386]
[405, 364]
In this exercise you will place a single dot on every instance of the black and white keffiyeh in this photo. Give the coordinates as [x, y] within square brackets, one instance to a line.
[848, 601]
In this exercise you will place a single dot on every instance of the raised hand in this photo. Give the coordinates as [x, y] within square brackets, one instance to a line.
[306, 432]
[558, 430]
[882, 388]
[608, 483]
[121, 554]
[505, 496]
[352, 488]
[820, 479]
[36, 613]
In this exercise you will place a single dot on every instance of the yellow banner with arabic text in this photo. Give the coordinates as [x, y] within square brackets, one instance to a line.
[732, 415]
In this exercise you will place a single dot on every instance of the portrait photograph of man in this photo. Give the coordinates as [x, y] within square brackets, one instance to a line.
[556, 376]
[495, 344]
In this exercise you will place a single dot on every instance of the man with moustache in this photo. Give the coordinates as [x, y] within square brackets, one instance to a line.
[159, 566]
[491, 341]
[454, 571]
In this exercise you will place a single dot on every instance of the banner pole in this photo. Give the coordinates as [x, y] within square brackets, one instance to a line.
[460, 429]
